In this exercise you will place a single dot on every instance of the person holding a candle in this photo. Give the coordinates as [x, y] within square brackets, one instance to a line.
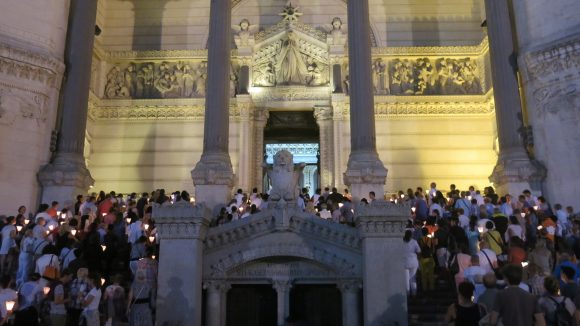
[78, 289]
[8, 244]
[58, 297]
[6, 295]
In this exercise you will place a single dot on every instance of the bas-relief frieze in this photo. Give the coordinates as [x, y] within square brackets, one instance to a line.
[22, 104]
[288, 270]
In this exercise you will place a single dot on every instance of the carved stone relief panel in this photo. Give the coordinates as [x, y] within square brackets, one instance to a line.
[20, 104]
[149, 80]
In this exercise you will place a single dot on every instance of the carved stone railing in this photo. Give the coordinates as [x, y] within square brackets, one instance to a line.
[288, 219]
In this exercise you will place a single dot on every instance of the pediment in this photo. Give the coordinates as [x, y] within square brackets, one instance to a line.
[291, 53]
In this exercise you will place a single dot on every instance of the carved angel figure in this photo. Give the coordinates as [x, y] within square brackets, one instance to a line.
[284, 177]
[244, 33]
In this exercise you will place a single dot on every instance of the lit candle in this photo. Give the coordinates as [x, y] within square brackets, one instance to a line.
[51, 227]
[102, 281]
[146, 226]
[430, 235]
[413, 209]
[58, 213]
[480, 229]
[46, 290]
[340, 205]
[61, 223]
[540, 227]
[152, 239]
[153, 257]
[522, 214]
[469, 198]
[103, 247]
[128, 219]
[63, 216]
[19, 228]
[524, 264]
[26, 221]
[47, 232]
[10, 305]
[536, 208]
[403, 196]
[104, 214]
[73, 232]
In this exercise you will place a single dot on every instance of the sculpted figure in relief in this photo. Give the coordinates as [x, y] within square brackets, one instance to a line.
[244, 36]
[335, 35]
[284, 177]
[290, 69]
[380, 77]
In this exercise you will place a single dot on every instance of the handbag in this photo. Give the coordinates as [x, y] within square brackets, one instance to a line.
[51, 272]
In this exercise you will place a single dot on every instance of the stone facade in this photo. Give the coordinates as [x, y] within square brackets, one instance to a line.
[314, 250]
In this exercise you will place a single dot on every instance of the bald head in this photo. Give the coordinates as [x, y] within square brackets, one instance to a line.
[489, 280]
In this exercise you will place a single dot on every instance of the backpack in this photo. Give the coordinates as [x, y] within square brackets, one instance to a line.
[561, 316]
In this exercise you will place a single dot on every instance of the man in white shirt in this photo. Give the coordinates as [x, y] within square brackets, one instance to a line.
[42, 213]
[562, 216]
[239, 197]
[487, 258]
[474, 273]
[463, 219]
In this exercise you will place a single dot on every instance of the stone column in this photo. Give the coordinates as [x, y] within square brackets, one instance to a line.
[514, 170]
[245, 158]
[213, 175]
[365, 171]
[244, 80]
[337, 78]
[182, 229]
[282, 288]
[339, 142]
[323, 117]
[260, 119]
[381, 228]
[67, 175]
[216, 298]
[350, 308]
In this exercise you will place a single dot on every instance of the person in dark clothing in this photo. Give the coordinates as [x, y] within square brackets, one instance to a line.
[465, 312]
[570, 288]
[457, 235]
[141, 203]
[336, 197]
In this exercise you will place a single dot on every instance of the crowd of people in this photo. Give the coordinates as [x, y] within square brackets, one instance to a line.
[512, 260]
[95, 261]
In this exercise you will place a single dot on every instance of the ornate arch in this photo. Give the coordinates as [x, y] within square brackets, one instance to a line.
[340, 265]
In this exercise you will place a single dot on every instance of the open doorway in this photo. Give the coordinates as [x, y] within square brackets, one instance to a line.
[298, 133]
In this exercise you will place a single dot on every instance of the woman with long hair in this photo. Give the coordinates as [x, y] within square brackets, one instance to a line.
[92, 300]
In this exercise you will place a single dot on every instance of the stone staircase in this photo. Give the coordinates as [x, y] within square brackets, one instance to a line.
[428, 309]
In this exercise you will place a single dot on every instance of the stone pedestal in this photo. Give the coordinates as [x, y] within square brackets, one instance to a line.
[365, 171]
[68, 176]
[282, 288]
[381, 227]
[350, 290]
[182, 229]
[514, 171]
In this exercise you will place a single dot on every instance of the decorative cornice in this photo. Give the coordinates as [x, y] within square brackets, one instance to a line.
[290, 93]
[341, 266]
[412, 51]
[555, 59]
[31, 66]
[382, 219]
[181, 221]
[157, 55]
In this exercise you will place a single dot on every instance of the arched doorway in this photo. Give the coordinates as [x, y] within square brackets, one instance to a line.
[297, 132]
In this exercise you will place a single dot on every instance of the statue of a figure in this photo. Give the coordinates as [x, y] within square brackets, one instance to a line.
[245, 31]
[336, 36]
[290, 69]
[284, 177]
[188, 82]
[380, 76]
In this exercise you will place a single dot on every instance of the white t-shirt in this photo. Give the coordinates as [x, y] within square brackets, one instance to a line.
[96, 294]
[410, 251]
[43, 215]
[471, 273]
[46, 260]
[134, 231]
[66, 256]
[483, 261]
[463, 221]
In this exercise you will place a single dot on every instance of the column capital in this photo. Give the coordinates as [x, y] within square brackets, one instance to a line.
[282, 285]
[349, 286]
[322, 113]
[217, 286]
[181, 221]
[382, 219]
